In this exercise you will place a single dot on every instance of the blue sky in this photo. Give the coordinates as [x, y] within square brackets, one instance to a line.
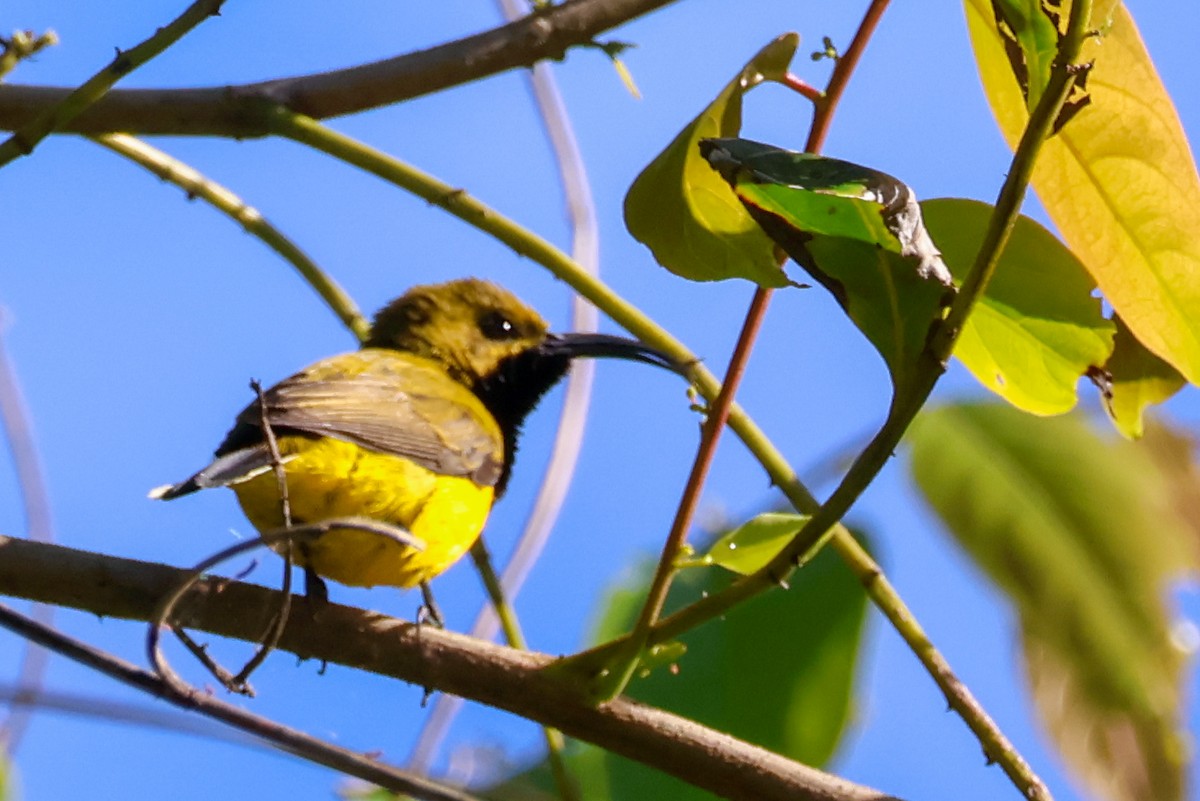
[135, 319]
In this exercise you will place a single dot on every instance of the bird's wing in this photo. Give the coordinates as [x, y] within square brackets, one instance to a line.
[386, 401]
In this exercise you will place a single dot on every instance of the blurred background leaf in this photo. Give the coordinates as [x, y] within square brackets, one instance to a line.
[1081, 534]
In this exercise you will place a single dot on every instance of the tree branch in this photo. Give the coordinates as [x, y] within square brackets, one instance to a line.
[453, 663]
[234, 110]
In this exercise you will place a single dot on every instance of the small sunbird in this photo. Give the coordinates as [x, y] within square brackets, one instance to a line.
[417, 429]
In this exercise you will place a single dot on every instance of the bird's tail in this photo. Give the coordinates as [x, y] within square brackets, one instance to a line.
[232, 468]
[169, 492]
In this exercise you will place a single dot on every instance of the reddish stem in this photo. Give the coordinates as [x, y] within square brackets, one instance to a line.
[825, 104]
[718, 413]
[798, 84]
[841, 76]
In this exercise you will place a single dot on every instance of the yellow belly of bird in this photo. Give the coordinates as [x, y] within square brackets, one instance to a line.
[329, 478]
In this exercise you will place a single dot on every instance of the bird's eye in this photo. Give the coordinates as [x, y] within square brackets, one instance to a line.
[494, 325]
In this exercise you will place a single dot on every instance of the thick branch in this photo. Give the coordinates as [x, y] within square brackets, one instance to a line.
[490, 674]
[235, 110]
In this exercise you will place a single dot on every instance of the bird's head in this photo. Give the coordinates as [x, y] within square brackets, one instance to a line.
[469, 326]
[481, 333]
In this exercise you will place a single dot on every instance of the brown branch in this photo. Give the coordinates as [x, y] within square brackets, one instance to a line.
[453, 663]
[235, 110]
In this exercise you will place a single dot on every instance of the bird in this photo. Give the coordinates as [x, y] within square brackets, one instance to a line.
[417, 429]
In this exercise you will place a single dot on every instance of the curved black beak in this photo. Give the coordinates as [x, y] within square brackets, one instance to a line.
[606, 346]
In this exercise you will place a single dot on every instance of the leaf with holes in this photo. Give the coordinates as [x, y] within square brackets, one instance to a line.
[1037, 329]
[1136, 379]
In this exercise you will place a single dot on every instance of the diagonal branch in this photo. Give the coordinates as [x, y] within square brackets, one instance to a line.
[231, 110]
[501, 677]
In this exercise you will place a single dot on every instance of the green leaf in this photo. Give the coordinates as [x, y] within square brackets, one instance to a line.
[750, 546]
[685, 214]
[857, 231]
[1032, 31]
[1119, 182]
[1080, 534]
[1136, 379]
[1038, 327]
[777, 670]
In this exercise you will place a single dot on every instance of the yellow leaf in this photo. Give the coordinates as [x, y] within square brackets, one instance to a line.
[1118, 181]
[627, 78]
[1138, 379]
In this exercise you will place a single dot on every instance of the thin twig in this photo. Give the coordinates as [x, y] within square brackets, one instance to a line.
[196, 185]
[619, 672]
[200, 654]
[165, 613]
[109, 711]
[229, 110]
[282, 737]
[504, 611]
[802, 87]
[39, 526]
[57, 116]
[840, 78]
[279, 620]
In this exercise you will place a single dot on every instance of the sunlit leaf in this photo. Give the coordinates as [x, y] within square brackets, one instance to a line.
[1118, 181]
[753, 544]
[777, 670]
[1038, 328]
[1080, 533]
[680, 209]
[855, 230]
[1136, 379]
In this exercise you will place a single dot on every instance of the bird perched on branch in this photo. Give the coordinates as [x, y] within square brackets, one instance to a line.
[418, 429]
